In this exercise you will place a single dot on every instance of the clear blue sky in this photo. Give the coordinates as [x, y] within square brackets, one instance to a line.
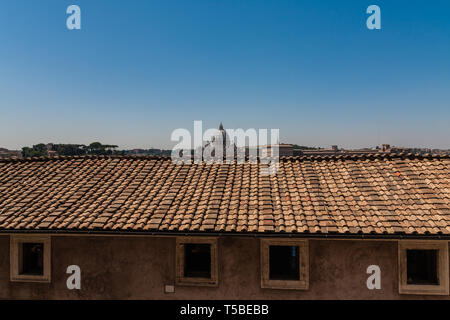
[139, 69]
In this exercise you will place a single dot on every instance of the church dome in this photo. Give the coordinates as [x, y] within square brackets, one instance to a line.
[221, 137]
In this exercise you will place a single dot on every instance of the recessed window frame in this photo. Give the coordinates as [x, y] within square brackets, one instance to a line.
[15, 243]
[442, 268]
[303, 282]
[213, 281]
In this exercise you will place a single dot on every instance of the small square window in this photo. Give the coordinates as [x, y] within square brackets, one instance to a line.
[284, 264]
[197, 261]
[423, 267]
[30, 258]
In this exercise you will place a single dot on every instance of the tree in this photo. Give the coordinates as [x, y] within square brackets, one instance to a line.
[38, 150]
[95, 148]
[304, 147]
[69, 149]
[100, 149]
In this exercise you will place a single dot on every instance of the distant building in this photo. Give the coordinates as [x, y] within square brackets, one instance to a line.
[284, 149]
[5, 153]
[52, 153]
[335, 150]
[147, 152]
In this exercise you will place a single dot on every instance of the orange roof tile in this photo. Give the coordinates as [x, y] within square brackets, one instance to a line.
[367, 194]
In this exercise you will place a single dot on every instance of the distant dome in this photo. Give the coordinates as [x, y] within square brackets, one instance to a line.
[221, 137]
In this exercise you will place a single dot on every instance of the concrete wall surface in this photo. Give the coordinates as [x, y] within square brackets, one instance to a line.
[138, 267]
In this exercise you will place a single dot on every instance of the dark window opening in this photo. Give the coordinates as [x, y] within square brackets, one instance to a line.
[197, 260]
[32, 257]
[284, 263]
[422, 267]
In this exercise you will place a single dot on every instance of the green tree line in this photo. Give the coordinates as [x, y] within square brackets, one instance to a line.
[95, 148]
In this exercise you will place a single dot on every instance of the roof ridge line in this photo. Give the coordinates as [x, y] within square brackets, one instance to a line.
[76, 157]
[369, 156]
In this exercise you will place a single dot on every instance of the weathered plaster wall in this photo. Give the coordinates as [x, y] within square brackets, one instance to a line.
[139, 267]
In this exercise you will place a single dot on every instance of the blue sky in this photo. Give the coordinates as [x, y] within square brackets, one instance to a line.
[139, 69]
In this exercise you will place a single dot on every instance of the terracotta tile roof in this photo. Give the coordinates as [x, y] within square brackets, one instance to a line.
[369, 194]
